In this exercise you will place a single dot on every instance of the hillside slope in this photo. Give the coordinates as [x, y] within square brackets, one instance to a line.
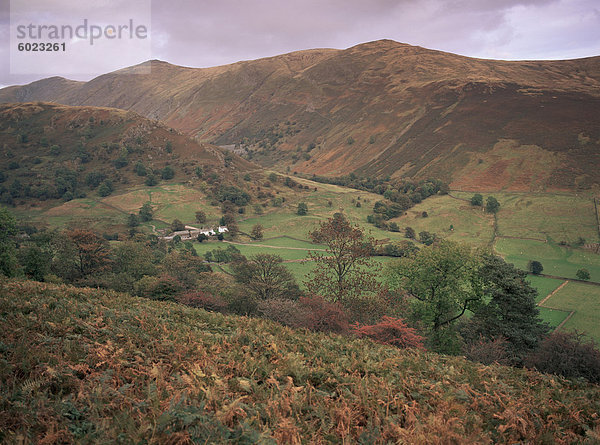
[380, 108]
[50, 151]
[88, 366]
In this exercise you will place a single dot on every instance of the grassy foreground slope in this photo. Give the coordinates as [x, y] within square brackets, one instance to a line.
[87, 366]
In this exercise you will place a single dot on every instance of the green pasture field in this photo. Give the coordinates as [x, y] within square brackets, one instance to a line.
[252, 249]
[470, 225]
[557, 260]
[544, 285]
[584, 299]
[286, 241]
[553, 317]
[559, 216]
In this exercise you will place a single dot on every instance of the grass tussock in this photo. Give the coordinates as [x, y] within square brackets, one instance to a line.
[89, 366]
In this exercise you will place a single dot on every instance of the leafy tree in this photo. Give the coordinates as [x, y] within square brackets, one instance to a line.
[199, 172]
[410, 233]
[8, 251]
[477, 200]
[273, 177]
[403, 248]
[231, 224]
[394, 227]
[105, 189]
[91, 251]
[583, 274]
[35, 262]
[134, 259]
[94, 179]
[344, 271]
[266, 277]
[202, 237]
[133, 220]
[167, 173]
[426, 238]
[227, 255]
[184, 267]
[200, 217]
[121, 161]
[177, 226]
[169, 147]
[302, 209]
[65, 180]
[146, 212]
[140, 169]
[443, 284]
[535, 267]
[151, 179]
[510, 313]
[492, 205]
[235, 195]
[257, 232]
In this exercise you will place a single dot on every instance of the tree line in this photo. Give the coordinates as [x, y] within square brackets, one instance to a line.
[445, 297]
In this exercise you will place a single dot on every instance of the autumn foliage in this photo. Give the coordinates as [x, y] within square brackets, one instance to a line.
[345, 271]
[203, 300]
[324, 316]
[81, 365]
[567, 354]
[390, 331]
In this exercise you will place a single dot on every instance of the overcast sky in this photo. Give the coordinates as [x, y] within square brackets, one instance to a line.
[202, 33]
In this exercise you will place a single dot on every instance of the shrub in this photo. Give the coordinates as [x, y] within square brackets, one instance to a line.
[567, 354]
[285, 311]
[151, 180]
[167, 173]
[583, 274]
[390, 331]
[477, 200]
[105, 189]
[241, 303]
[140, 169]
[302, 209]
[164, 288]
[203, 300]
[324, 316]
[488, 351]
[426, 238]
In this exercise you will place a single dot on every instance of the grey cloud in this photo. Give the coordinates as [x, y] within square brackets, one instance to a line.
[208, 33]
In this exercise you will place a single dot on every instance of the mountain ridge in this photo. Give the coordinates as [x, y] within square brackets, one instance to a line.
[379, 108]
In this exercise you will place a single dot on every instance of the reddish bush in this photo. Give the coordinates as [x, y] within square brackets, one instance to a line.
[323, 316]
[203, 300]
[390, 331]
[284, 311]
[488, 351]
[567, 354]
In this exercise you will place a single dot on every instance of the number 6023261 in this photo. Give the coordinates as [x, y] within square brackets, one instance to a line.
[42, 46]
